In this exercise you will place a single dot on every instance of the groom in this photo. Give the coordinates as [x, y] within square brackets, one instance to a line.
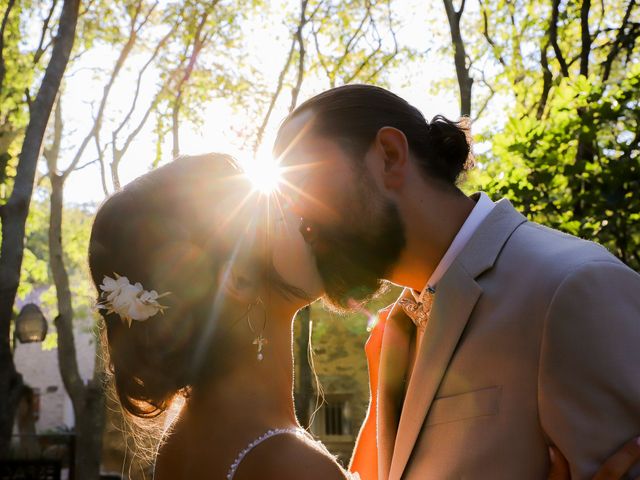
[509, 337]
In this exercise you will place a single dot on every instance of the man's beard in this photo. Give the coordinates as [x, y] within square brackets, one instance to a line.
[354, 258]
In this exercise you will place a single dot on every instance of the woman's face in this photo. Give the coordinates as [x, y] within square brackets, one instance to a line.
[260, 232]
[292, 257]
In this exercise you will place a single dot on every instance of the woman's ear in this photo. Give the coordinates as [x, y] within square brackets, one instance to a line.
[238, 283]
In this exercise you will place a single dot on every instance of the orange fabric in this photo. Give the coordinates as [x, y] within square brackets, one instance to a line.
[365, 455]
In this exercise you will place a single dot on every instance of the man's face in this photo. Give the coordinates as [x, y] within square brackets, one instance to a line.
[354, 230]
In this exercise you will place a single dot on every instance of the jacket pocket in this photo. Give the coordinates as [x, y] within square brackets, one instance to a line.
[479, 403]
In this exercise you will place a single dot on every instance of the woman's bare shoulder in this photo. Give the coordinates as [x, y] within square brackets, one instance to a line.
[290, 457]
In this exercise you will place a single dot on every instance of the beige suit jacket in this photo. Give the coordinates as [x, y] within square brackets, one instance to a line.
[533, 339]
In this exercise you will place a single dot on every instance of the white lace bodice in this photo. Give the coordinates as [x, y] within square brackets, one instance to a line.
[243, 453]
[271, 433]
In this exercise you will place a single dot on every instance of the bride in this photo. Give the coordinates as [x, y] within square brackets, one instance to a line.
[199, 283]
[199, 279]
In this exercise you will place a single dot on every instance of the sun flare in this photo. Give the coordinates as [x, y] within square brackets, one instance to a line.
[264, 173]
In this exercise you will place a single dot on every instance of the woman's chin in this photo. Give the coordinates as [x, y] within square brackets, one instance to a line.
[312, 293]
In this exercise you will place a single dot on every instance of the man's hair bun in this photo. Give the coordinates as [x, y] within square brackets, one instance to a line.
[450, 144]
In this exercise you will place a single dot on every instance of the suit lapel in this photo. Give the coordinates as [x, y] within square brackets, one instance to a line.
[394, 360]
[456, 296]
[453, 303]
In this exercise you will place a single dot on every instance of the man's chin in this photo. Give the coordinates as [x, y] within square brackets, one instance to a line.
[355, 300]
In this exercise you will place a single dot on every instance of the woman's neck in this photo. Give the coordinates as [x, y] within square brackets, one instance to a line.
[247, 391]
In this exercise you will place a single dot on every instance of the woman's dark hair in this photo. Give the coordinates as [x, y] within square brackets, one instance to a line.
[353, 114]
[162, 230]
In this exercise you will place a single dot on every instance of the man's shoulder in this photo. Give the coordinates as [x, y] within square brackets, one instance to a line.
[555, 251]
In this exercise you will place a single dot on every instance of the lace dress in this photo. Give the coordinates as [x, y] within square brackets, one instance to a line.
[303, 434]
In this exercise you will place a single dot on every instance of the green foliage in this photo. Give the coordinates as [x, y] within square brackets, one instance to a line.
[204, 59]
[36, 275]
[537, 164]
[505, 41]
[19, 74]
[358, 323]
[354, 40]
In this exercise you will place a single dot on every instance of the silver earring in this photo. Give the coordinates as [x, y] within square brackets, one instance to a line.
[259, 340]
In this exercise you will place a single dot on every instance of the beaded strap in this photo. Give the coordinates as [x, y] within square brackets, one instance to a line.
[243, 453]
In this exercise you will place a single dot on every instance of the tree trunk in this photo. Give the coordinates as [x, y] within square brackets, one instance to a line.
[305, 387]
[465, 82]
[90, 419]
[175, 126]
[301, 55]
[10, 393]
[87, 400]
[14, 212]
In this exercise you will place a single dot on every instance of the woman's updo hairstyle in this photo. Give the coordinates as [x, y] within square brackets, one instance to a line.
[161, 230]
[352, 115]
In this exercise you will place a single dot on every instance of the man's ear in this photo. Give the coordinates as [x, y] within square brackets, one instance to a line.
[238, 283]
[393, 146]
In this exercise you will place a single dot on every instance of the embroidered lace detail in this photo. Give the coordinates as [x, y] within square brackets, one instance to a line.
[243, 453]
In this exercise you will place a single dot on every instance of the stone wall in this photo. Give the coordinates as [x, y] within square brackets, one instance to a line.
[40, 370]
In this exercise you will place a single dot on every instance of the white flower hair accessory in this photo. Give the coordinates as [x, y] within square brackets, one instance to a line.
[130, 302]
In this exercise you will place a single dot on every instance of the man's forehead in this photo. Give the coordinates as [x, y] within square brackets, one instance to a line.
[294, 134]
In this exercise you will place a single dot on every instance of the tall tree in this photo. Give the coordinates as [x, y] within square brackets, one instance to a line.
[87, 398]
[18, 69]
[461, 59]
[14, 212]
[568, 154]
[141, 19]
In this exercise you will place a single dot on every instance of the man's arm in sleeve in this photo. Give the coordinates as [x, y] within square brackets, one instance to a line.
[589, 377]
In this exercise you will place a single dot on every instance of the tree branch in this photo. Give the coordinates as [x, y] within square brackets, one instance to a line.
[45, 28]
[321, 61]
[5, 20]
[301, 55]
[364, 62]
[101, 162]
[585, 36]
[85, 165]
[388, 58]
[347, 46]
[97, 124]
[615, 49]
[118, 153]
[52, 152]
[547, 79]
[465, 82]
[274, 97]
[492, 92]
[136, 95]
[553, 37]
[198, 43]
[487, 36]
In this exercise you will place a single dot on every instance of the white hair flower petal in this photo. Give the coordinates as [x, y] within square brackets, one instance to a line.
[129, 301]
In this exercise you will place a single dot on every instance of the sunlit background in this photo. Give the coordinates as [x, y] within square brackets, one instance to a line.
[555, 121]
[224, 127]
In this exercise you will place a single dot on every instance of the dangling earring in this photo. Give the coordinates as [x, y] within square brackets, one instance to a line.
[259, 339]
